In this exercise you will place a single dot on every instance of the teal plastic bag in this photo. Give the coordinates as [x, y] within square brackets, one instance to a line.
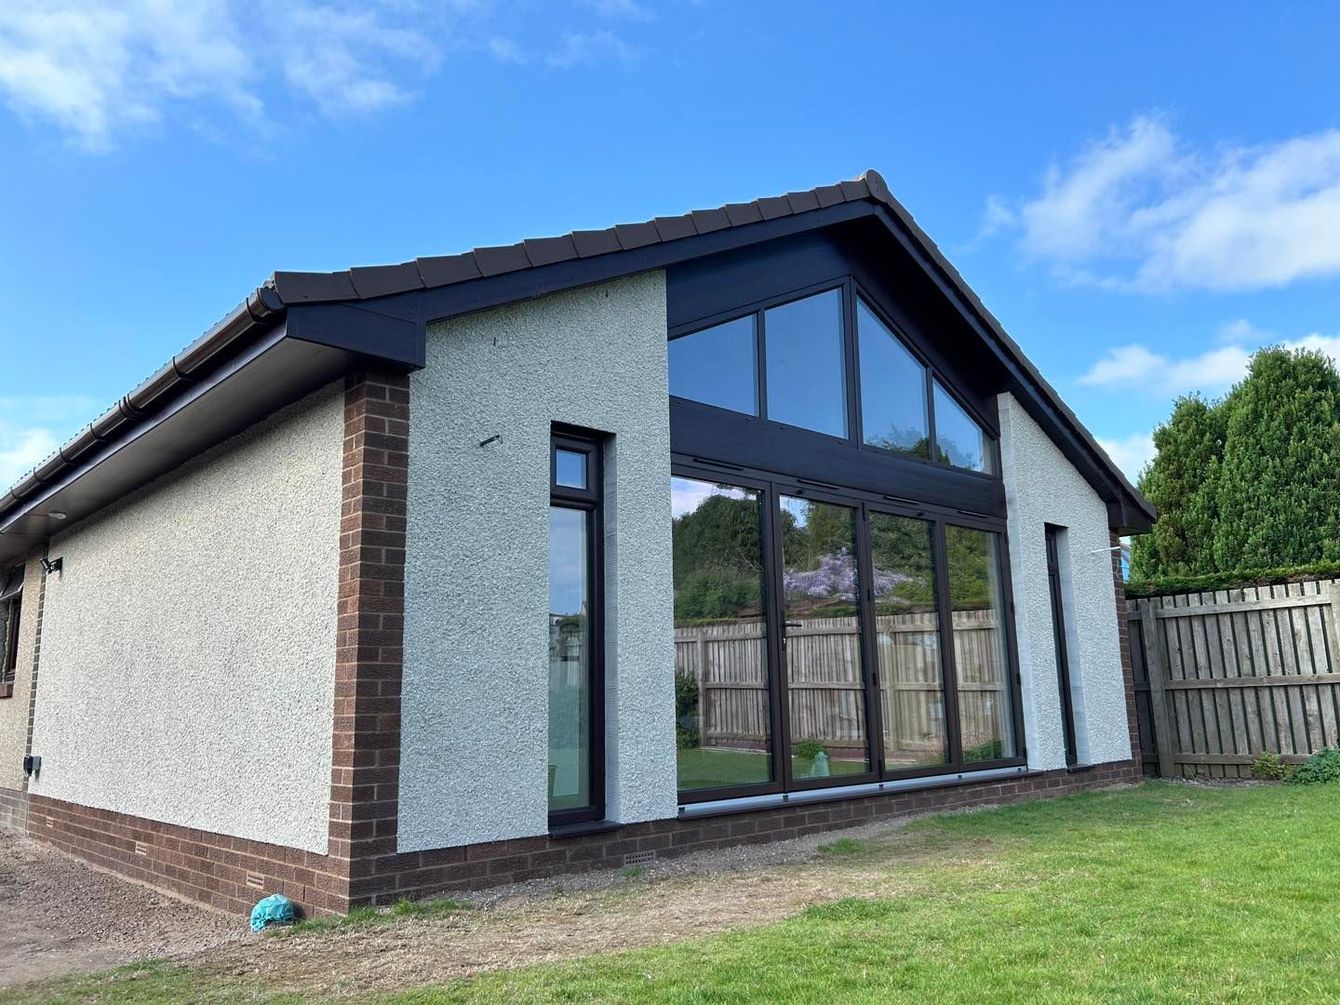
[275, 909]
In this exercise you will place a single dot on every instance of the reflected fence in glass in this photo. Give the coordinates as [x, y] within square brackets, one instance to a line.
[825, 679]
[907, 628]
[722, 708]
[986, 715]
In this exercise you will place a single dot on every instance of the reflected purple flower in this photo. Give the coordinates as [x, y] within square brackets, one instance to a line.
[835, 579]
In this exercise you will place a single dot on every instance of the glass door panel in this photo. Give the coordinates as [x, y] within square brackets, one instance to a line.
[825, 679]
[977, 611]
[722, 712]
[907, 634]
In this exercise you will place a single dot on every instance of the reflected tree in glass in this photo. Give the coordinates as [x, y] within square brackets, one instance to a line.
[893, 389]
[960, 441]
[986, 718]
[907, 623]
[722, 711]
[821, 607]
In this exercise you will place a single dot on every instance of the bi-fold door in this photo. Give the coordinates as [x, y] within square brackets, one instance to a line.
[825, 638]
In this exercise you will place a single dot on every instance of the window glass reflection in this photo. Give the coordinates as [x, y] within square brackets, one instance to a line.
[907, 623]
[569, 661]
[722, 711]
[893, 389]
[802, 343]
[825, 682]
[959, 439]
[986, 718]
[717, 366]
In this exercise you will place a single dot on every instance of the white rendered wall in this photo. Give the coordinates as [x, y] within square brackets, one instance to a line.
[1042, 487]
[188, 644]
[474, 744]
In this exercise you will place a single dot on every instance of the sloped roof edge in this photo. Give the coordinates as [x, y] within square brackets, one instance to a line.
[266, 307]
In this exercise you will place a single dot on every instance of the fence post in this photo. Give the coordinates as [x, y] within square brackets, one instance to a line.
[1333, 594]
[1158, 697]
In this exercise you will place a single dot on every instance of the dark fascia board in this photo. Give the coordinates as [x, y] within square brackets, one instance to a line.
[1128, 510]
[274, 371]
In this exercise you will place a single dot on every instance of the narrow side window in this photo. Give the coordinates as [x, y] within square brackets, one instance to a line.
[11, 598]
[576, 646]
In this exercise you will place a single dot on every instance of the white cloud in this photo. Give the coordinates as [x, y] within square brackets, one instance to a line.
[99, 67]
[1136, 367]
[1141, 209]
[619, 8]
[506, 50]
[1130, 453]
[32, 428]
[582, 48]
[344, 60]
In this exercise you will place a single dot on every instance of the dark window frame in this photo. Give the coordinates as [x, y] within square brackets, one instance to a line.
[851, 289]
[12, 611]
[772, 486]
[589, 500]
[1052, 533]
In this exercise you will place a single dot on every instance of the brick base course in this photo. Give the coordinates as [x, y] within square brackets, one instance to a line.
[13, 809]
[233, 873]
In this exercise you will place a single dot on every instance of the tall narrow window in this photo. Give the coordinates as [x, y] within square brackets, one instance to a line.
[11, 594]
[978, 619]
[723, 715]
[576, 686]
[1055, 536]
[907, 632]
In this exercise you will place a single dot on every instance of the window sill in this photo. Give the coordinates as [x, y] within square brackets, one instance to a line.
[583, 829]
[1079, 769]
[7, 689]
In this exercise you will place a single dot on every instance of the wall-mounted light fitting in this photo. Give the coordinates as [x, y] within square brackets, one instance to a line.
[56, 514]
[50, 565]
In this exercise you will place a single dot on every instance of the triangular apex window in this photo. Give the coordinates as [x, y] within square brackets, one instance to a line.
[959, 440]
[790, 364]
[894, 413]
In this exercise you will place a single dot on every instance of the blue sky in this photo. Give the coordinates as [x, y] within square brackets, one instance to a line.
[1142, 194]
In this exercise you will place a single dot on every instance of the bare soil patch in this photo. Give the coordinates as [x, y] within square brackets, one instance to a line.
[573, 916]
[59, 916]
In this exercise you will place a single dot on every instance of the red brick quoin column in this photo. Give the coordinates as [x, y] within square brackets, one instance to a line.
[365, 765]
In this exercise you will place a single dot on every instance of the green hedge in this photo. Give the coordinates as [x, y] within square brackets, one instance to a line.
[1231, 580]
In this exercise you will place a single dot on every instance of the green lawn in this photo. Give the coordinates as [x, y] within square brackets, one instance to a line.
[1156, 894]
[706, 767]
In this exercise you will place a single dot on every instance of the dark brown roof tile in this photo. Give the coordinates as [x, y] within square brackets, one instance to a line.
[383, 280]
[304, 287]
[773, 207]
[636, 235]
[503, 258]
[595, 242]
[443, 270]
[853, 190]
[548, 250]
[802, 202]
[741, 213]
[829, 195]
[673, 228]
[708, 220]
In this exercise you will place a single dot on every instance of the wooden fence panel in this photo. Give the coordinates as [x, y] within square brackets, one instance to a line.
[1223, 676]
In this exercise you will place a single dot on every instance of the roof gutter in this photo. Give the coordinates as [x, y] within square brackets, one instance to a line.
[261, 311]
